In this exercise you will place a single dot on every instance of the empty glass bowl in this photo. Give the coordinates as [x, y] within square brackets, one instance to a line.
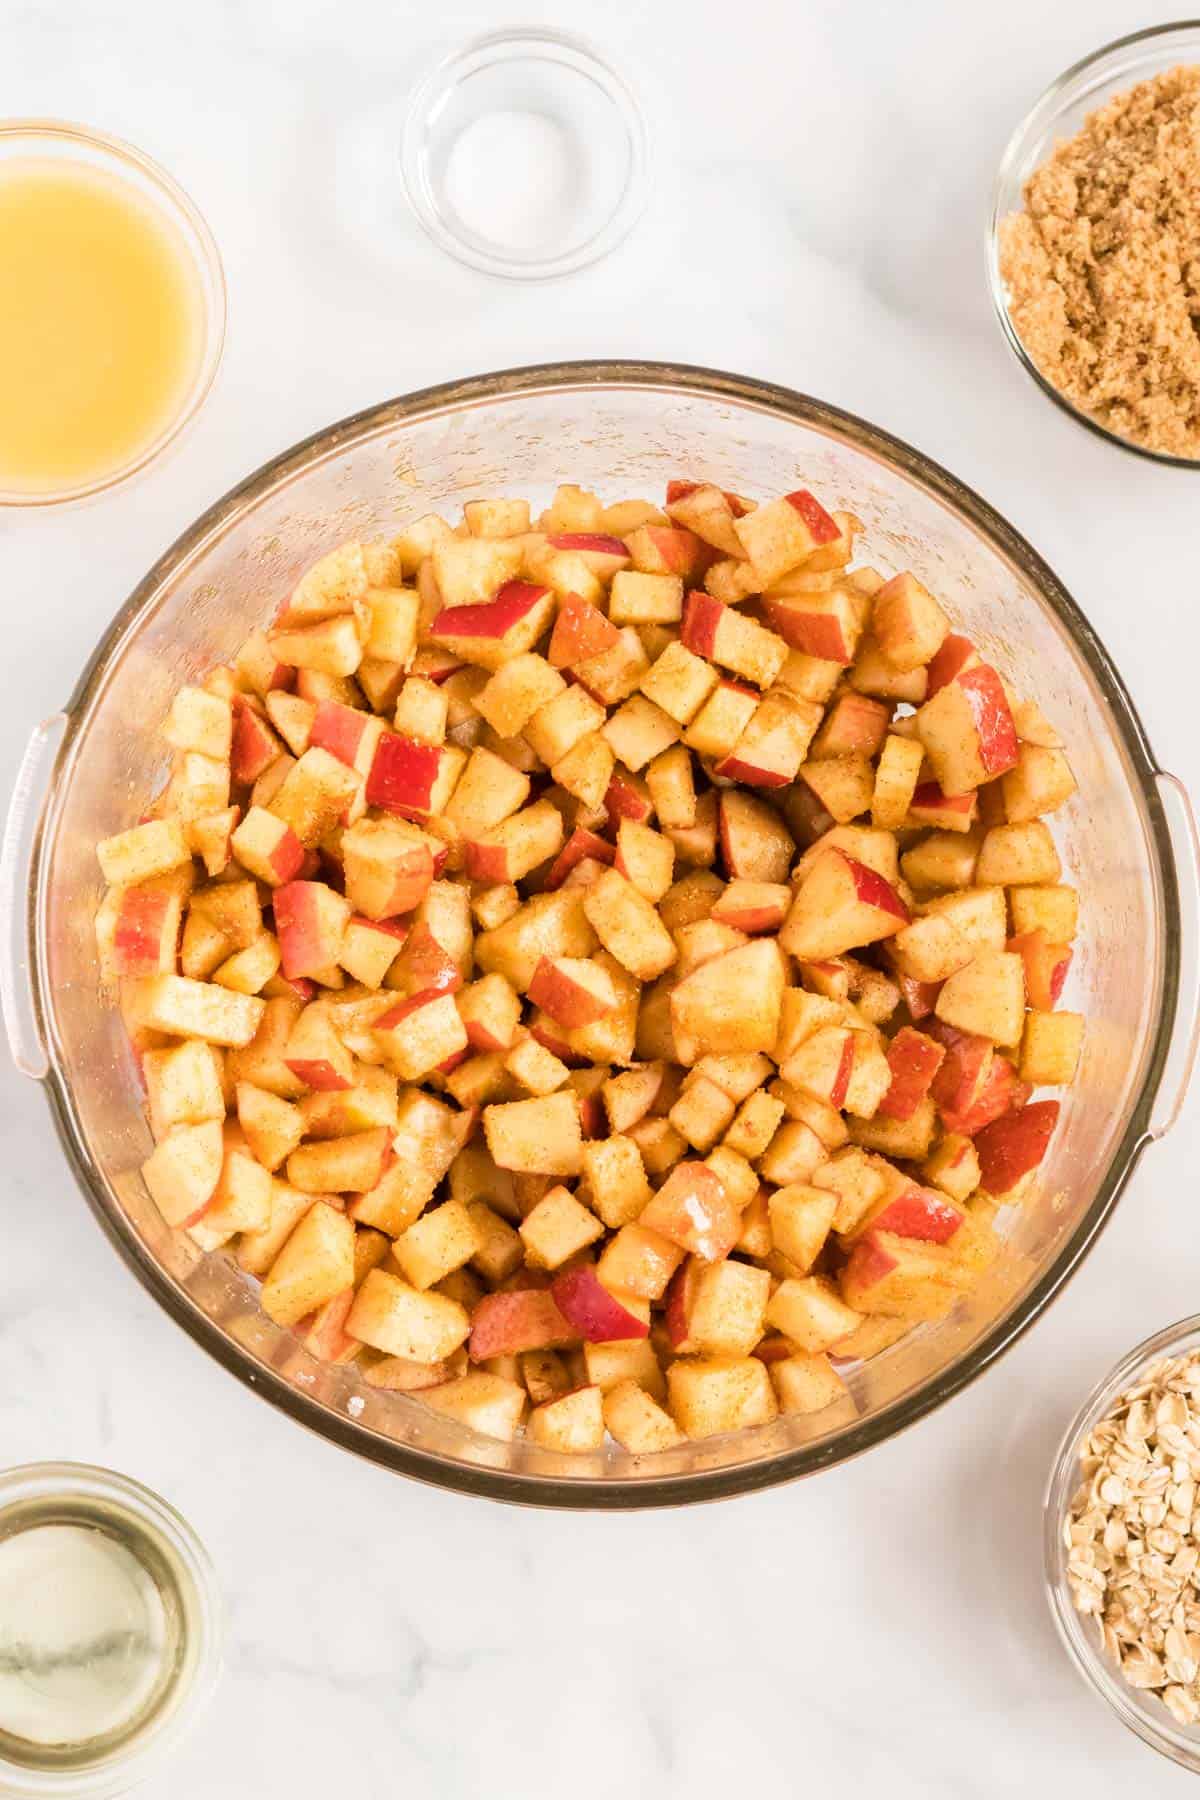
[518, 120]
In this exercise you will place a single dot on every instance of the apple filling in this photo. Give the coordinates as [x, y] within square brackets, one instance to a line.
[595, 973]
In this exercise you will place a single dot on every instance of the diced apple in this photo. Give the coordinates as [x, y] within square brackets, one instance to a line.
[314, 1265]
[967, 730]
[714, 1394]
[1012, 1146]
[839, 905]
[310, 921]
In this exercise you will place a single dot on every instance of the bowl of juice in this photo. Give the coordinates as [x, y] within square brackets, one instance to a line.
[112, 311]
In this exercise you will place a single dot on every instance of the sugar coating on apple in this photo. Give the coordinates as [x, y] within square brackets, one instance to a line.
[489, 631]
[841, 904]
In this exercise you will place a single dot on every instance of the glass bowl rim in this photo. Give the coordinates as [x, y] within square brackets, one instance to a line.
[1042, 115]
[186, 215]
[440, 78]
[717, 386]
[1077, 1639]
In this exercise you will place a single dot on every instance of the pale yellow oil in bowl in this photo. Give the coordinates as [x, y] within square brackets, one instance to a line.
[101, 325]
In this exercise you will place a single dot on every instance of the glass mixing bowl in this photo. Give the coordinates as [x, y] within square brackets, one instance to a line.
[624, 428]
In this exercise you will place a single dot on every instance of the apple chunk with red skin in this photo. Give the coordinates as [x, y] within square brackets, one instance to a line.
[491, 631]
[603, 554]
[1046, 967]
[310, 922]
[968, 731]
[572, 990]
[146, 930]
[753, 906]
[914, 1060]
[268, 848]
[1012, 1146]
[910, 1211]
[692, 1209]
[581, 846]
[826, 624]
[580, 631]
[255, 746]
[509, 1324]
[840, 905]
[350, 735]
[731, 1004]
[404, 776]
[596, 1314]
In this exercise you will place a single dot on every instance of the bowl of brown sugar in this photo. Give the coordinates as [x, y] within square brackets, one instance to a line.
[1094, 243]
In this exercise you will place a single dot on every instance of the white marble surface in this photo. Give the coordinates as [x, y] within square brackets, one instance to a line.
[821, 184]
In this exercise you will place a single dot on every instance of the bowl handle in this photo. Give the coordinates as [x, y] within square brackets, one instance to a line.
[1181, 1057]
[16, 870]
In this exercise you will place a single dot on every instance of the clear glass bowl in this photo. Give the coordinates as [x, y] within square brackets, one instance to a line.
[144, 1523]
[566, 82]
[1140, 1710]
[57, 140]
[1058, 115]
[624, 429]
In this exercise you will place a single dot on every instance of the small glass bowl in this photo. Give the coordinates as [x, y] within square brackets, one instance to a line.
[1058, 115]
[565, 80]
[76, 1493]
[58, 140]
[1139, 1709]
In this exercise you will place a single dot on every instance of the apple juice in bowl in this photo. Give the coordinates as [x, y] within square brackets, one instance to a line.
[111, 312]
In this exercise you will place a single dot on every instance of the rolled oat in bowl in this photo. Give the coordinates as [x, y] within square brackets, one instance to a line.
[1132, 1533]
[1102, 268]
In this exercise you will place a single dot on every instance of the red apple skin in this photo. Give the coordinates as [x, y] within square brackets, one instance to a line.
[993, 721]
[804, 628]
[320, 1075]
[138, 939]
[288, 857]
[693, 1210]
[1001, 1092]
[624, 801]
[1010, 1147]
[959, 1080]
[338, 729]
[914, 1060]
[732, 768]
[542, 1030]
[869, 1262]
[679, 490]
[680, 551]
[701, 617]
[592, 1118]
[586, 1303]
[413, 1004]
[567, 1003]
[402, 776]
[956, 654]
[254, 748]
[597, 541]
[928, 798]
[918, 1212]
[873, 889]
[822, 528]
[523, 1319]
[579, 845]
[297, 927]
[1046, 967]
[492, 618]
[841, 1081]
[580, 630]
[433, 969]
[920, 997]
[680, 1297]
[486, 862]
[301, 987]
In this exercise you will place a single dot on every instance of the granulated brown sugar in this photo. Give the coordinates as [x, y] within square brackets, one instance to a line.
[1103, 266]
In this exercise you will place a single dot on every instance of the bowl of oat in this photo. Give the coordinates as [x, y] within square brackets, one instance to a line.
[1094, 243]
[1122, 1541]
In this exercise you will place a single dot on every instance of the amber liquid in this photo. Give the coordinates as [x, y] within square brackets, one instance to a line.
[101, 325]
